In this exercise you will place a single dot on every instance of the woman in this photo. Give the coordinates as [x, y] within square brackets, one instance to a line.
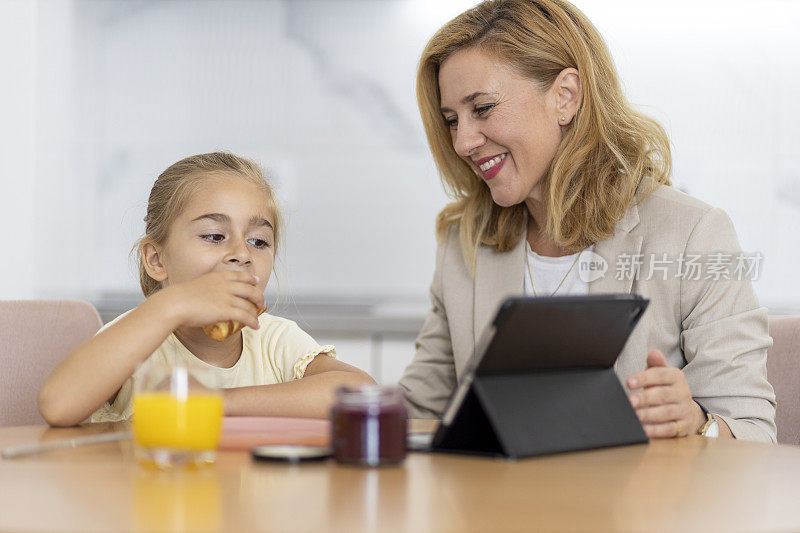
[546, 161]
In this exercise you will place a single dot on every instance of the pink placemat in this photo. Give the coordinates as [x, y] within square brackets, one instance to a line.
[245, 432]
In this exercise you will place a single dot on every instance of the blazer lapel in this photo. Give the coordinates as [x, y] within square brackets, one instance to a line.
[620, 252]
[497, 276]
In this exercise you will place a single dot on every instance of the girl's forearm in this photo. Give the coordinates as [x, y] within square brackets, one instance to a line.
[94, 372]
[311, 396]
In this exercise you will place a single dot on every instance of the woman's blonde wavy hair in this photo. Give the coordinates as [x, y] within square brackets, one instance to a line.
[605, 152]
[175, 187]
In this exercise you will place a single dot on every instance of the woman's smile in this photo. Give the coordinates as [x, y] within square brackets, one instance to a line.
[490, 166]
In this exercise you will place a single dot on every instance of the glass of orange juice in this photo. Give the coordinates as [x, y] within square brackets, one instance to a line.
[177, 416]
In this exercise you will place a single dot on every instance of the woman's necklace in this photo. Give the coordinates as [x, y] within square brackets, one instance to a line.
[530, 276]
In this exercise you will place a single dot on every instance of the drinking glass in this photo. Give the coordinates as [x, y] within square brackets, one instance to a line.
[177, 415]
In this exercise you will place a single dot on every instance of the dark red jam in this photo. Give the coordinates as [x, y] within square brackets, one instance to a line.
[369, 426]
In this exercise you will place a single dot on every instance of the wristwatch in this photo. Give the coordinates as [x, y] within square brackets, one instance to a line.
[711, 427]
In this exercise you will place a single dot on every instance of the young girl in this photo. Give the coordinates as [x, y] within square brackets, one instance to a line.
[212, 228]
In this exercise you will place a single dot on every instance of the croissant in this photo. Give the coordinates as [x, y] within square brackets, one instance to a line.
[222, 330]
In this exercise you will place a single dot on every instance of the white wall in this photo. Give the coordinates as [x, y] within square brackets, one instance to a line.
[723, 77]
[18, 32]
[315, 102]
[322, 93]
[64, 185]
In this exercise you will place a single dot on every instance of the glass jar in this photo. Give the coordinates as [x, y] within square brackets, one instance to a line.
[369, 426]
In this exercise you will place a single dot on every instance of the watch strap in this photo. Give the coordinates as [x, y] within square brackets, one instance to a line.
[709, 420]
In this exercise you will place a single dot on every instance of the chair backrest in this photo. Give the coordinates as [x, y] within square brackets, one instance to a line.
[34, 336]
[783, 372]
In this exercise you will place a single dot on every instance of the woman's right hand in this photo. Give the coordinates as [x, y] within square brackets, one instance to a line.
[215, 297]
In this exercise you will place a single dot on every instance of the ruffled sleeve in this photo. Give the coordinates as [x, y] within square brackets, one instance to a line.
[290, 350]
[302, 363]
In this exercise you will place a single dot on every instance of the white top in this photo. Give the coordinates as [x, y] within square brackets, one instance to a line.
[278, 351]
[547, 273]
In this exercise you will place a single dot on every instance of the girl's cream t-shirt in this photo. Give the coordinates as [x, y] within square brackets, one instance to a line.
[276, 352]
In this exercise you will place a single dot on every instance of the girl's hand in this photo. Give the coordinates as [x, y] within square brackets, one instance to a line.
[215, 297]
[664, 405]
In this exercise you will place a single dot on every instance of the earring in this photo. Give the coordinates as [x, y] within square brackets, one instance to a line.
[563, 118]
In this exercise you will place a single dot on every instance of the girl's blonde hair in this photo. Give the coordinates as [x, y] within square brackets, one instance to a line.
[174, 188]
[605, 152]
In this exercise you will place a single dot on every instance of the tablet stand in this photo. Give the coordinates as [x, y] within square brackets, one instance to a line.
[518, 416]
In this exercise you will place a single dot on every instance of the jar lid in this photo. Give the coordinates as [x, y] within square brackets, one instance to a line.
[369, 395]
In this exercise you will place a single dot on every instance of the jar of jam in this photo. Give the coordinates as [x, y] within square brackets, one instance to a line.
[369, 426]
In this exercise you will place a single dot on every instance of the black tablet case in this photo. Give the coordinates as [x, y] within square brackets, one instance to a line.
[542, 380]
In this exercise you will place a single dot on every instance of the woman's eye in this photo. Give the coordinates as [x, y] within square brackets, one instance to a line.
[481, 110]
[259, 243]
[450, 122]
[213, 237]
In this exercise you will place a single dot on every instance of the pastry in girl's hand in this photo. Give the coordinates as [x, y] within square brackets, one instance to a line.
[222, 330]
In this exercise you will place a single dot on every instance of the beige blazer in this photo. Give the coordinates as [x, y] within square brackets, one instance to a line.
[711, 327]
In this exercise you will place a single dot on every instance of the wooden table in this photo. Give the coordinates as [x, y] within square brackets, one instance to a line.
[672, 485]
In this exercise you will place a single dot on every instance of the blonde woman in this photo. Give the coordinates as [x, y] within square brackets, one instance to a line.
[547, 164]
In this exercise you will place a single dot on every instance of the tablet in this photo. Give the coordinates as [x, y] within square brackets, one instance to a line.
[535, 334]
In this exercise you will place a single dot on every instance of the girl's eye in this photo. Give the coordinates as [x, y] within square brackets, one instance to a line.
[450, 122]
[213, 237]
[259, 243]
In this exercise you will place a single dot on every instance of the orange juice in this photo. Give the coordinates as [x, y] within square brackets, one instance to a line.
[161, 420]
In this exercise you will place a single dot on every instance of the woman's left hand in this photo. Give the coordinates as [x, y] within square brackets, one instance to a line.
[664, 404]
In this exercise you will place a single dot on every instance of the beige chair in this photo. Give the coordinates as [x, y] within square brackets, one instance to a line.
[34, 336]
[783, 371]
